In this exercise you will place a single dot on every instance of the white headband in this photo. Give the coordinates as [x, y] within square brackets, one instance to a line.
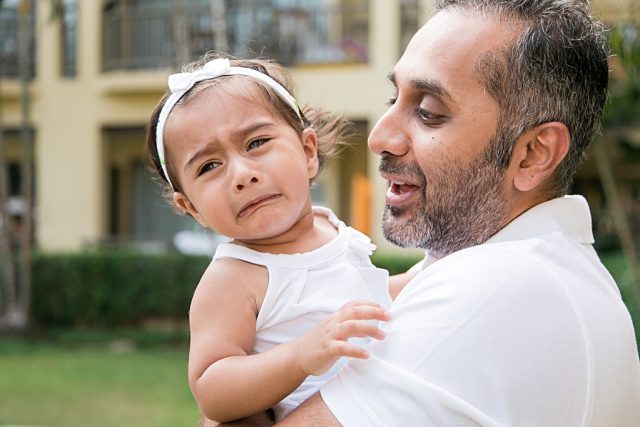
[180, 83]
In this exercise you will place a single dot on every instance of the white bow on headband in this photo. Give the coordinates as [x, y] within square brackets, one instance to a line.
[181, 83]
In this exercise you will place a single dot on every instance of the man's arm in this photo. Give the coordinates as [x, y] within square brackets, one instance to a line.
[313, 412]
[262, 419]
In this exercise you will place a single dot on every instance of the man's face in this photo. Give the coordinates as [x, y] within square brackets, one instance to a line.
[444, 194]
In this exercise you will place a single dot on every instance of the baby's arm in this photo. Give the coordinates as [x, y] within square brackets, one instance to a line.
[228, 381]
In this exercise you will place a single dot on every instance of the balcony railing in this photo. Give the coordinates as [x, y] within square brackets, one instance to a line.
[10, 43]
[158, 34]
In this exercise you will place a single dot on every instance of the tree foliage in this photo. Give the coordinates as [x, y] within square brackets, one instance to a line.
[623, 108]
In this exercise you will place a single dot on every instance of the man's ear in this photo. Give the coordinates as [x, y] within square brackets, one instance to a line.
[185, 206]
[538, 153]
[310, 147]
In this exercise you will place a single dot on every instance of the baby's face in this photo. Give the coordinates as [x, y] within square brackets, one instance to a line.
[243, 171]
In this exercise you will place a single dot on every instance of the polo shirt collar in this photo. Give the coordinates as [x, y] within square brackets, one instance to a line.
[569, 215]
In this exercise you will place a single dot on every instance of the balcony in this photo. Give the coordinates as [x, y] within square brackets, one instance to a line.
[10, 42]
[143, 35]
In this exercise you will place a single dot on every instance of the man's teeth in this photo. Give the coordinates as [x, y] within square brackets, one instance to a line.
[399, 187]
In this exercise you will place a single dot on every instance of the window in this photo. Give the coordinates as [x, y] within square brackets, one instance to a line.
[69, 26]
[410, 21]
[9, 24]
[148, 34]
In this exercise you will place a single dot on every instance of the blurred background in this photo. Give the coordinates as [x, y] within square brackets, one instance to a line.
[98, 270]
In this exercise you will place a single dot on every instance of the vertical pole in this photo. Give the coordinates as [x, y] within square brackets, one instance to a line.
[8, 298]
[26, 139]
[181, 33]
[219, 26]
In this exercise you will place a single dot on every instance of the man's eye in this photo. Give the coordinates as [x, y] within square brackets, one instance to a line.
[392, 100]
[209, 166]
[255, 143]
[428, 117]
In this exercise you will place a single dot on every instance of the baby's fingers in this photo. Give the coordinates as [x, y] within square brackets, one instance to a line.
[359, 328]
[363, 310]
[345, 348]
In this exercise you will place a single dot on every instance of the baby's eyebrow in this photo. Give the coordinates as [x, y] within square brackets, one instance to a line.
[247, 130]
[208, 148]
[239, 134]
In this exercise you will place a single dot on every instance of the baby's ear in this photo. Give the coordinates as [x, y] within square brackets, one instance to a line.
[310, 146]
[185, 206]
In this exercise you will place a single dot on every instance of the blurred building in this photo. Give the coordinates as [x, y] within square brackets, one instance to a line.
[100, 66]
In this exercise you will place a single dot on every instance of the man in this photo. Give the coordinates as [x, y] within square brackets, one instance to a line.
[513, 320]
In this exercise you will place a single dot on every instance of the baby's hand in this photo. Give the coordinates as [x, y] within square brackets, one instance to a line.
[319, 349]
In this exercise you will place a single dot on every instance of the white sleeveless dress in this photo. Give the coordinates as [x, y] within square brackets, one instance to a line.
[305, 288]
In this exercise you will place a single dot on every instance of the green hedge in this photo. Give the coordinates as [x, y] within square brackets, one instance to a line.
[120, 289]
[395, 264]
[112, 289]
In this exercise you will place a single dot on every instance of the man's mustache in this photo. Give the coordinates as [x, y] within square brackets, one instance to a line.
[392, 165]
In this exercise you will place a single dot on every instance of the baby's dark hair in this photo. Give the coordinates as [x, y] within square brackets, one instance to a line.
[333, 131]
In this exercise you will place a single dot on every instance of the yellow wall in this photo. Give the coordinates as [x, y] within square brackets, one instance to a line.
[70, 115]
[613, 11]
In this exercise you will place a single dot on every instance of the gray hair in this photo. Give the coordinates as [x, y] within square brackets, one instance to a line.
[556, 70]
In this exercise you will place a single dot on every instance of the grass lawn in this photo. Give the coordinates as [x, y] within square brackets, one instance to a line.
[65, 382]
[61, 386]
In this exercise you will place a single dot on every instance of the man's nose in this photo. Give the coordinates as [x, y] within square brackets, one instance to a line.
[389, 135]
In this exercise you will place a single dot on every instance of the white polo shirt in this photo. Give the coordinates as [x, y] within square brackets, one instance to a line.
[527, 329]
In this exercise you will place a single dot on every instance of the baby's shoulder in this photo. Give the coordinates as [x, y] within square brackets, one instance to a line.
[233, 268]
[231, 278]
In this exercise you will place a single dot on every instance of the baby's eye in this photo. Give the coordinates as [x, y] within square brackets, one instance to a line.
[209, 166]
[255, 143]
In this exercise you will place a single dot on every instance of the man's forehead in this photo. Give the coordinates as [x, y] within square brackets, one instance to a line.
[448, 46]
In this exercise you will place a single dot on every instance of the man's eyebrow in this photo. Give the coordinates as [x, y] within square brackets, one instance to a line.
[236, 135]
[426, 85]
[433, 87]
[391, 76]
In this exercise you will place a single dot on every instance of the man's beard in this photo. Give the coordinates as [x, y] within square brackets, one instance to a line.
[460, 207]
